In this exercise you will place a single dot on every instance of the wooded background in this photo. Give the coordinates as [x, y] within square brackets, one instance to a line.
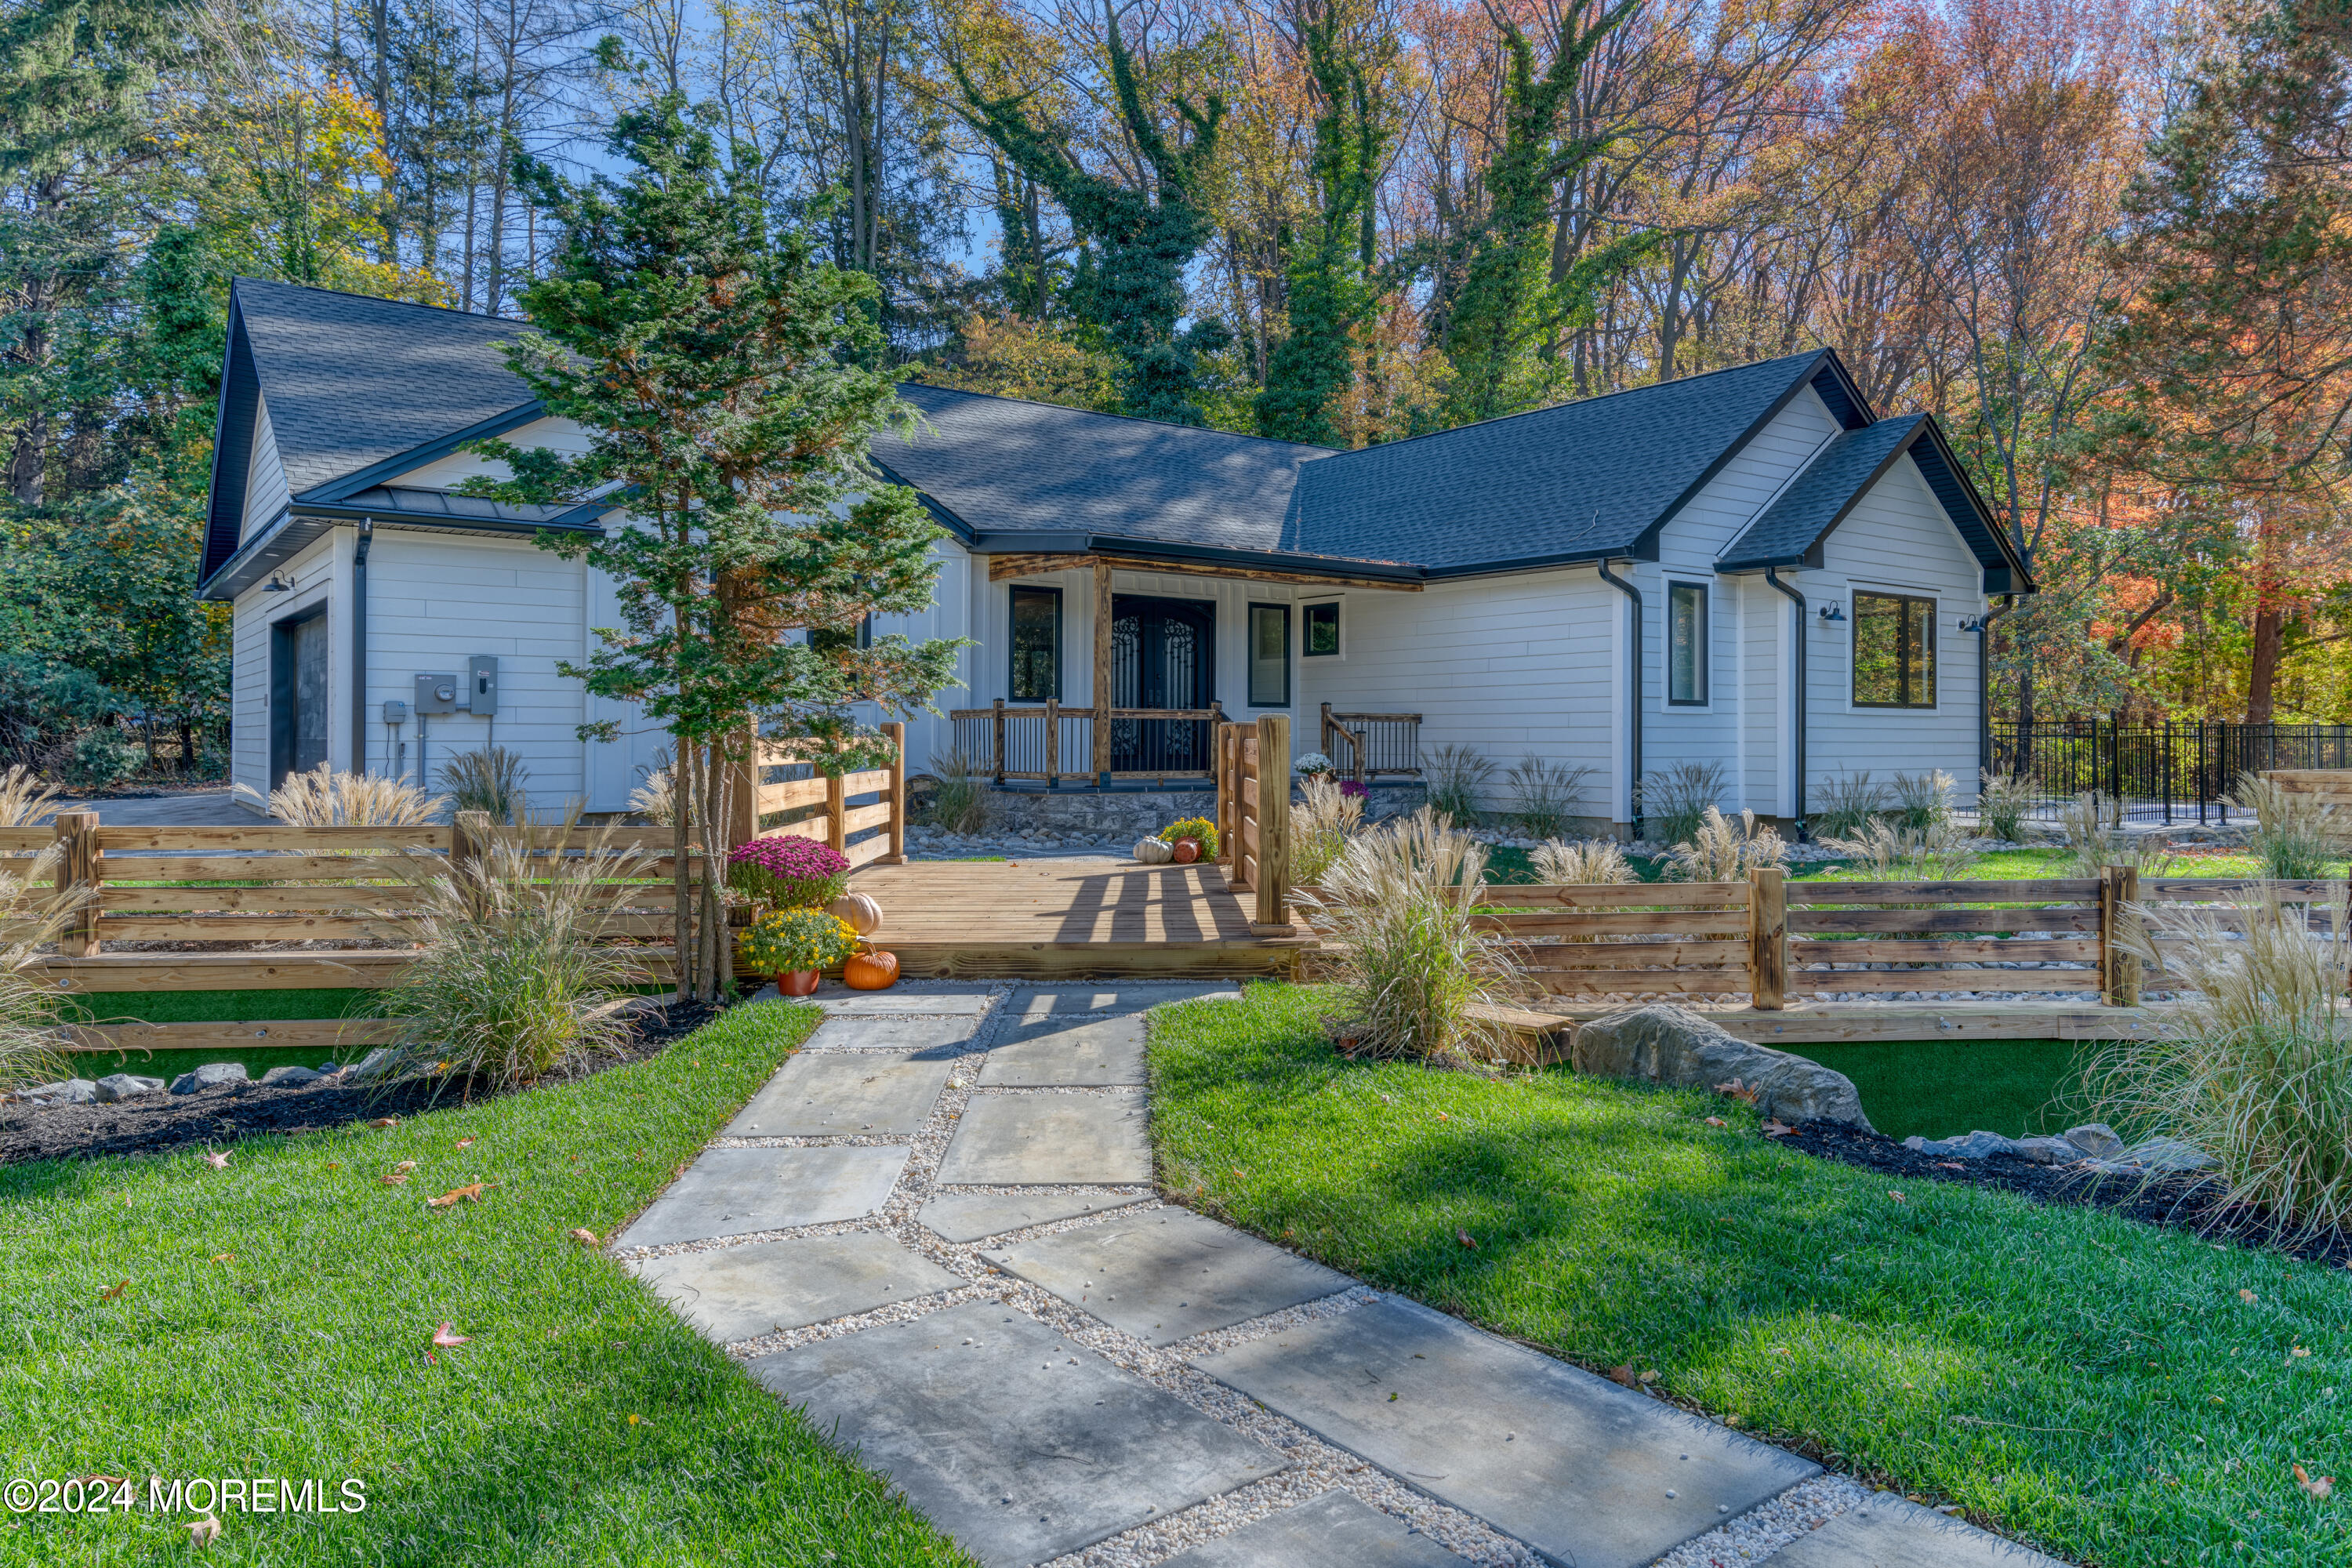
[2106, 242]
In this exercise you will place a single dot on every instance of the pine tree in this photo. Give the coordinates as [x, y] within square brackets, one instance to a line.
[720, 372]
[1145, 238]
[1328, 295]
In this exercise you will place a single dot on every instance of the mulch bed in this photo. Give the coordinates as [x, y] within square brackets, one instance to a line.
[2189, 1203]
[161, 1124]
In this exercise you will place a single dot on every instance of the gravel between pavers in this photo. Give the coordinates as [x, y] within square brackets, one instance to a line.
[1315, 1467]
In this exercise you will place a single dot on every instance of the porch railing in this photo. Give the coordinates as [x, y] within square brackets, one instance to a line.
[1055, 745]
[1366, 746]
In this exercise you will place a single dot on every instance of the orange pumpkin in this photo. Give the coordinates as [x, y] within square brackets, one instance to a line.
[871, 972]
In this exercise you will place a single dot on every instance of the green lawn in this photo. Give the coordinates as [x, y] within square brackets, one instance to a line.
[277, 1316]
[2063, 1374]
[1940, 1089]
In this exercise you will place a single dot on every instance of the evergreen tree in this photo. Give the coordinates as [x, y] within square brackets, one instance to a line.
[720, 372]
[1328, 295]
[1497, 304]
[1145, 238]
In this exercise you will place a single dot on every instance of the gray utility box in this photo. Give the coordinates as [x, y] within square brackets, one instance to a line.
[436, 694]
[482, 683]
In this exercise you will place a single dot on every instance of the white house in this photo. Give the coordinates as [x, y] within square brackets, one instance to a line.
[1747, 568]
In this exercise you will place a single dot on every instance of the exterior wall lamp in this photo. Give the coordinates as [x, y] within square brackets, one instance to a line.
[1833, 613]
[278, 584]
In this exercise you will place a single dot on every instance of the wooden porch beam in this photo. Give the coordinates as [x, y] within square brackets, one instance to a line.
[1001, 567]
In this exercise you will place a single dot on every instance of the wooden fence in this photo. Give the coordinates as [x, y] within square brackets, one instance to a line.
[1771, 940]
[1253, 779]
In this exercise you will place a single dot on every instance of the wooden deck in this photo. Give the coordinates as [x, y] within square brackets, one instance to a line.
[1054, 918]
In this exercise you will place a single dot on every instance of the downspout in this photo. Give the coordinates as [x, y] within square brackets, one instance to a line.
[1984, 682]
[1773, 575]
[1633, 712]
[359, 648]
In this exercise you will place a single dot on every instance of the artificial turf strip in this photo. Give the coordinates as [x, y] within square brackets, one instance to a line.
[1506, 864]
[277, 1318]
[1941, 1088]
[2063, 1374]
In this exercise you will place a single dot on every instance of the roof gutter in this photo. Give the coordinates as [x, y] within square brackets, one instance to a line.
[359, 647]
[1773, 575]
[1633, 709]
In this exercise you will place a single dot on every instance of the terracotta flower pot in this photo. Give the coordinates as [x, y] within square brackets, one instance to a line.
[1187, 851]
[799, 982]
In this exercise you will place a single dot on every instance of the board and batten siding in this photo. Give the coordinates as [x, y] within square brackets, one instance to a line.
[1509, 666]
[930, 735]
[1897, 540]
[264, 476]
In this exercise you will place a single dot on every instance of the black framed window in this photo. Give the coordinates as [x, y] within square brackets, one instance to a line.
[1269, 656]
[1894, 651]
[1686, 644]
[1037, 645]
[1322, 629]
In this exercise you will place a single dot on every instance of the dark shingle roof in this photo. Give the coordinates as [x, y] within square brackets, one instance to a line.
[1571, 482]
[350, 381]
[1820, 496]
[998, 463]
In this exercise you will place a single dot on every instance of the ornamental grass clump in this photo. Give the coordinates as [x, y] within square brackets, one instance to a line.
[30, 918]
[1725, 851]
[1882, 852]
[1320, 827]
[1544, 793]
[1457, 779]
[25, 800]
[1846, 805]
[794, 941]
[2002, 802]
[2297, 836]
[325, 798]
[2092, 825]
[1401, 906]
[960, 799]
[489, 781]
[788, 872]
[1590, 860]
[1199, 829]
[2251, 1063]
[1674, 800]
[515, 969]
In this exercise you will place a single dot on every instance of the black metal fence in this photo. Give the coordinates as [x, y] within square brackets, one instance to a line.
[2172, 772]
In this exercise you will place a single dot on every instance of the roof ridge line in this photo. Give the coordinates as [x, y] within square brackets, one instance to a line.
[377, 300]
[1131, 418]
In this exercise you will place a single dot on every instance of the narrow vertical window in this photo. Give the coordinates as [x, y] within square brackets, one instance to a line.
[1037, 645]
[1686, 644]
[1894, 651]
[1269, 656]
[1322, 631]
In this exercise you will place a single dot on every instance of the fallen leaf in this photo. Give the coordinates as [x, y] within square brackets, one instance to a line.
[2246, 1295]
[1898, 1198]
[455, 1196]
[219, 1162]
[584, 1238]
[224, 1258]
[1737, 1090]
[1650, 1376]
[112, 1292]
[334, 1164]
[394, 1178]
[385, 1121]
[442, 1339]
[1624, 1375]
[633, 1420]
[465, 1142]
[1716, 1122]
[1465, 1239]
[2317, 1488]
[1443, 1117]
[1949, 1165]
[1774, 1129]
[204, 1531]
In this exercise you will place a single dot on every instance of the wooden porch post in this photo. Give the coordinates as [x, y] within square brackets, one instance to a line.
[1052, 744]
[898, 797]
[996, 762]
[1102, 675]
[1274, 822]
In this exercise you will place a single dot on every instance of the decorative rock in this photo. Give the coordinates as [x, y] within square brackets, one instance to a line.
[1977, 1145]
[2169, 1154]
[2096, 1139]
[326, 1068]
[1671, 1046]
[1153, 852]
[2046, 1151]
[66, 1092]
[121, 1085]
[209, 1076]
[378, 1063]
[290, 1077]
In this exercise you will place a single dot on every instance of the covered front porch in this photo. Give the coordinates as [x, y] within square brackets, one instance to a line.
[1116, 671]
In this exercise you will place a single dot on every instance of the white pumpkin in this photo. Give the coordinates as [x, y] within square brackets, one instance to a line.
[1154, 852]
[864, 915]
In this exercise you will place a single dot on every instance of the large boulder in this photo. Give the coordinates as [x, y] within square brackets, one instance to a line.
[120, 1086]
[1672, 1046]
[209, 1076]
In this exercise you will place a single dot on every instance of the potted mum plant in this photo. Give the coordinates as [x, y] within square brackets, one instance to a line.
[796, 946]
[785, 873]
[1314, 765]
[1197, 833]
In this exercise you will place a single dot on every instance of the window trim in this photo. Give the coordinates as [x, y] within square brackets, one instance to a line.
[1012, 646]
[1903, 674]
[1703, 667]
[1339, 629]
[1249, 654]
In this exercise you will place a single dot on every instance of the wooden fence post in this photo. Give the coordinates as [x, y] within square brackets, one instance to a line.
[2119, 971]
[77, 874]
[997, 758]
[1767, 938]
[897, 854]
[836, 808]
[469, 835]
[1273, 821]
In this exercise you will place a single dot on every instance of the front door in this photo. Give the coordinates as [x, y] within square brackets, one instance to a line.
[298, 695]
[1162, 654]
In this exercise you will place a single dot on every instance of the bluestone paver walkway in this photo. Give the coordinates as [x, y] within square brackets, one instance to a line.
[934, 1232]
